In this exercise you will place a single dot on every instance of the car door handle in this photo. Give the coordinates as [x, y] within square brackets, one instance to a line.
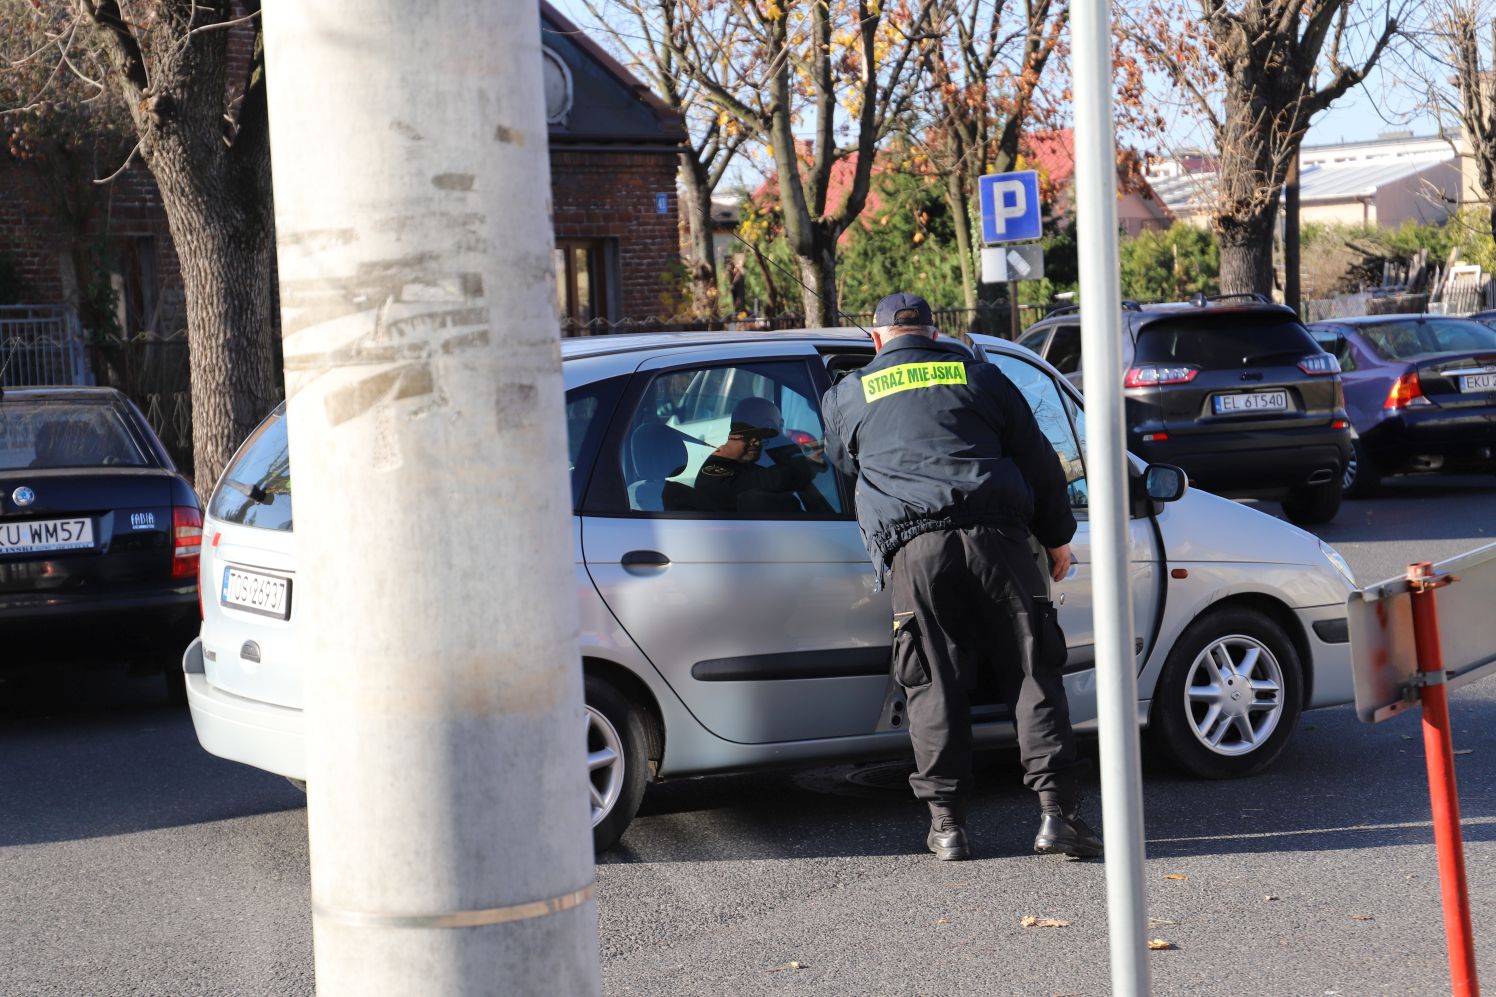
[645, 559]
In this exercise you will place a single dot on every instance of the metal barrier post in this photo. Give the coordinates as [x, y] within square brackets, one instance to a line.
[1438, 750]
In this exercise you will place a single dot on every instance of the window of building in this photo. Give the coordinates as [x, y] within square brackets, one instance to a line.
[582, 285]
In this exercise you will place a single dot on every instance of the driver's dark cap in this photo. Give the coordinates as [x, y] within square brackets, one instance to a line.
[902, 308]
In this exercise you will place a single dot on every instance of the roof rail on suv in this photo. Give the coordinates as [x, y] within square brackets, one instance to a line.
[1128, 305]
[1201, 299]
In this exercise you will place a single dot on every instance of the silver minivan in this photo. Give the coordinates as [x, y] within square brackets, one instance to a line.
[719, 638]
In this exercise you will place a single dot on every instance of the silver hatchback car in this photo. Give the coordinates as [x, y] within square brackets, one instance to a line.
[723, 632]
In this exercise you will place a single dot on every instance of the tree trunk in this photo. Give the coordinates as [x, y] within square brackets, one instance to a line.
[1247, 253]
[956, 200]
[696, 250]
[818, 275]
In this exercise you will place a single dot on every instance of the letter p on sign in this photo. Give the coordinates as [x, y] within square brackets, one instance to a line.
[1010, 207]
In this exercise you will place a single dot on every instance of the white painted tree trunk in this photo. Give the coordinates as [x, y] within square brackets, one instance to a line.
[449, 824]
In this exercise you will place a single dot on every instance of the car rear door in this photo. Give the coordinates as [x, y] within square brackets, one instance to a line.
[760, 612]
[248, 574]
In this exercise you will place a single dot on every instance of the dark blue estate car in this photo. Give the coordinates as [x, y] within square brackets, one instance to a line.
[1420, 391]
[99, 535]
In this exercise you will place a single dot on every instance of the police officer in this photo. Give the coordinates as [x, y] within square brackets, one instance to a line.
[953, 473]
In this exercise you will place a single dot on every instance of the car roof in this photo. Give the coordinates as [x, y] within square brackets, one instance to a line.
[1384, 319]
[62, 392]
[575, 347]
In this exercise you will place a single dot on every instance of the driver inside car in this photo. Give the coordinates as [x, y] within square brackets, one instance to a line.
[734, 478]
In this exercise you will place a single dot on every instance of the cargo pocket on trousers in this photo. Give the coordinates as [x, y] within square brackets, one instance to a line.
[1049, 639]
[910, 670]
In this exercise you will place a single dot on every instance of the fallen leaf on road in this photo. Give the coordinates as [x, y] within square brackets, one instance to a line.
[1361, 917]
[1158, 944]
[1175, 875]
[1270, 897]
[1030, 921]
[942, 920]
[1155, 922]
[792, 964]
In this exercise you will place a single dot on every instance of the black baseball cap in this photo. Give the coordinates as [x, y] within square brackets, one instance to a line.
[902, 308]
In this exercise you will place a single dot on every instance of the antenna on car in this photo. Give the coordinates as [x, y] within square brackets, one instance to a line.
[791, 274]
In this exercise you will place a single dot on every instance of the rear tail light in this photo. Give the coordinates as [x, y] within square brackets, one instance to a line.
[1406, 392]
[187, 541]
[1153, 375]
[1155, 437]
[1319, 363]
[1340, 424]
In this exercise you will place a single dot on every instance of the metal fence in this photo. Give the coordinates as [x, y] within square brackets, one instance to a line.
[42, 344]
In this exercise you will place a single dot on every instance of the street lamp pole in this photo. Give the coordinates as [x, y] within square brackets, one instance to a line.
[1107, 481]
[448, 816]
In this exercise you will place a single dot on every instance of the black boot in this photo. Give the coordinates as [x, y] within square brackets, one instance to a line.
[947, 837]
[1062, 832]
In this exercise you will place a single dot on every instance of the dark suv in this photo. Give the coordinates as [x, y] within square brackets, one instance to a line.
[1235, 392]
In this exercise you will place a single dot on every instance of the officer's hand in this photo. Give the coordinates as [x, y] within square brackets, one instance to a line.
[1059, 562]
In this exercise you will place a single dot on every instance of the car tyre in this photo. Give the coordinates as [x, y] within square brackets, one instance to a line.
[617, 761]
[1229, 697]
[1362, 476]
[1314, 504]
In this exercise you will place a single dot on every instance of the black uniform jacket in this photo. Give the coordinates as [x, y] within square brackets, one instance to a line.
[940, 440]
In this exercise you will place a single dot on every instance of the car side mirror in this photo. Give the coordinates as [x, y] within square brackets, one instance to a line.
[1165, 482]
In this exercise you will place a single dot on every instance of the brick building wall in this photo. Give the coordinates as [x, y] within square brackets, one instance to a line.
[31, 243]
[611, 195]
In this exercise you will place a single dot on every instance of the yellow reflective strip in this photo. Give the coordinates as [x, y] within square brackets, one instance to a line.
[892, 380]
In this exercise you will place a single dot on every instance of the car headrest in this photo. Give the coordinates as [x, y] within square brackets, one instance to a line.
[658, 451]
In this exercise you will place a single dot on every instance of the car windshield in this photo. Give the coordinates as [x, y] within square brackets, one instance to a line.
[37, 433]
[1412, 338]
[1214, 341]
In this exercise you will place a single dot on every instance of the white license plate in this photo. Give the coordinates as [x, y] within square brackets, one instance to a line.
[253, 592]
[46, 535]
[1254, 401]
[1478, 382]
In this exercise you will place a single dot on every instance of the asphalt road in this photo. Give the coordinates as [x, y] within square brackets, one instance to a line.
[131, 862]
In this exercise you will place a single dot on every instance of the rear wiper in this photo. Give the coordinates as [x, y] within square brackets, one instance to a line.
[254, 493]
[1274, 355]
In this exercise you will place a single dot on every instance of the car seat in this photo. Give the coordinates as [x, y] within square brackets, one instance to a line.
[658, 453]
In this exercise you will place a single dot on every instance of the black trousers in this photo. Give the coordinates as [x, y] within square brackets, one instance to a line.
[970, 612]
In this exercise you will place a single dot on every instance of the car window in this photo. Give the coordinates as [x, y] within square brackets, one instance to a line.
[1064, 349]
[726, 440]
[1034, 339]
[1413, 338]
[64, 433]
[1337, 346]
[1215, 341]
[1055, 419]
[256, 488]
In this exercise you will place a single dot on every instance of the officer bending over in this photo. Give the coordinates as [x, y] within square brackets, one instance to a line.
[953, 473]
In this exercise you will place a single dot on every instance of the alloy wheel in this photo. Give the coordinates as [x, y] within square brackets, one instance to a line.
[1348, 476]
[604, 764]
[1234, 695]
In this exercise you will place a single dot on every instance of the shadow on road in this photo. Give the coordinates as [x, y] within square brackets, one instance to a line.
[87, 753]
[1347, 786]
[1413, 508]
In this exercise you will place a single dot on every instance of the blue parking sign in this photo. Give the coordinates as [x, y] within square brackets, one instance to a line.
[1010, 207]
